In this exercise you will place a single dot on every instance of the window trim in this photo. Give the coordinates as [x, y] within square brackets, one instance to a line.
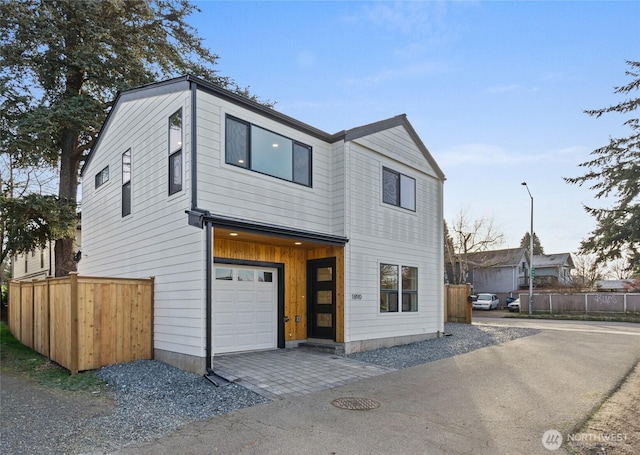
[173, 153]
[248, 164]
[399, 199]
[400, 290]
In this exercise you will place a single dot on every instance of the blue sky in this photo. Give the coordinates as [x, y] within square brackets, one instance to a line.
[496, 90]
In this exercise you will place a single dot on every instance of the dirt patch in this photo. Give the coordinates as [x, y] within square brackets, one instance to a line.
[615, 428]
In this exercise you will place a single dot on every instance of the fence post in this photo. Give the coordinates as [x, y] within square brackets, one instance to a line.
[550, 304]
[47, 302]
[446, 306]
[152, 326]
[73, 279]
[14, 312]
[586, 304]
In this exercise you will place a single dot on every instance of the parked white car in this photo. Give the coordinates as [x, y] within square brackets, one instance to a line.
[486, 302]
[514, 306]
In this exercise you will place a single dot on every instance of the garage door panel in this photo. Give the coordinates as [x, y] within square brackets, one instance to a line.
[245, 311]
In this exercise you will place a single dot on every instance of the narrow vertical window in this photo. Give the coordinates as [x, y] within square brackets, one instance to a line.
[301, 164]
[175, 152]
[388, 288]
[126, 183]
[390, 185]
[407, 192]
[237, 143]
[409, 288]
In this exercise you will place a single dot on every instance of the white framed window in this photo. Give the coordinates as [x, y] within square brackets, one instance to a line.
[398, 288]
[398, 189]
[175, 152]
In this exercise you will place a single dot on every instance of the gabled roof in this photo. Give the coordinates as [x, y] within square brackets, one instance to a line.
[497, 258]
[511, 257]
[185, 82]
[399, 120]
[552, 260]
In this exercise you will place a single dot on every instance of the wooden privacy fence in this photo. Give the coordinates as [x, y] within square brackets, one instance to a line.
[84, 323]
[582, 303]
[457, 306]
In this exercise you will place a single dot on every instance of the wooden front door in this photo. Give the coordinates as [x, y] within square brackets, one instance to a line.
[321, 283]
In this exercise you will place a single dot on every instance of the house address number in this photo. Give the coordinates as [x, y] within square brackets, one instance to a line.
[356, 296]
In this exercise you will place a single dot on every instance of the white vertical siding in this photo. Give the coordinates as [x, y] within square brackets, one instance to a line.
[381, 233]
[155, 239]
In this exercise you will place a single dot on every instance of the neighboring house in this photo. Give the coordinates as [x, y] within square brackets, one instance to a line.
[504, 271]
[615, 285]
[497, 271]
[263, 232]
[552, 270]
[39, 263]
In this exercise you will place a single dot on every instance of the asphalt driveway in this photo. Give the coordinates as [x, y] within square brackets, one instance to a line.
[496, 400]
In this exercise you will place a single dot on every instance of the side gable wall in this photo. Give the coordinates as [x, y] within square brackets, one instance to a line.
[155, 239]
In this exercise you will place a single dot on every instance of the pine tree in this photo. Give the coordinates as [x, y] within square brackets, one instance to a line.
[537, 246]
[67, 59]
[615, 171]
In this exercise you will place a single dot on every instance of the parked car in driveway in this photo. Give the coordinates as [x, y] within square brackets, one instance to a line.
[514, 306]
[486, 302]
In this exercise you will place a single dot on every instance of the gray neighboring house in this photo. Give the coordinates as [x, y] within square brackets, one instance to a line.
[505, 271]
[498, 271]
[552, 270]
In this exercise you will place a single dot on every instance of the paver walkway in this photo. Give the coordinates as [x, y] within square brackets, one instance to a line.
[286, 373]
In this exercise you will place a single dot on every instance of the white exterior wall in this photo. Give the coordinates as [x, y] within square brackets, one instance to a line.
[39, 263]
[155, 239]
[33, 264]
[232, 191]
[382, 233]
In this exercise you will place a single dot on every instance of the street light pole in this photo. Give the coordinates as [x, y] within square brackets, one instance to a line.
[530, 252]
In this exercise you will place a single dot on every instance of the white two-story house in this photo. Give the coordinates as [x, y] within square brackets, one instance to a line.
[261, 231]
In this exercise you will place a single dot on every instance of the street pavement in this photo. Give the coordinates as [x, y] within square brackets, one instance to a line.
[495, 400]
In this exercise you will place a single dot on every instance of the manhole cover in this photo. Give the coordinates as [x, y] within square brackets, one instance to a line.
[355, 403]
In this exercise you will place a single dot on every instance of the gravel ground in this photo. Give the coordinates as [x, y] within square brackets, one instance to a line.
[458, 339]
[149, 399]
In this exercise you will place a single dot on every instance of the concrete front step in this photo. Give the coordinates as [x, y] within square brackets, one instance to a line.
[323, 346]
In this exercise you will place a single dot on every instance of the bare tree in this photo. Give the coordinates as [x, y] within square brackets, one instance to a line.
[464, 238]
[587, 270]
[619, 269]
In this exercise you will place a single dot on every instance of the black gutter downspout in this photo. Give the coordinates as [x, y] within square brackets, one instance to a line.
[196, 213]
[208, 225]
[194, 148]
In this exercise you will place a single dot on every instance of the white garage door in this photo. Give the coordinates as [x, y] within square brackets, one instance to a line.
[245, 308]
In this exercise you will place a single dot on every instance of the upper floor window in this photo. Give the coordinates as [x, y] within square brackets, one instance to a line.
[126, 183]
[398, 189]
[175, 152]
[102, 177]
[260, 150]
